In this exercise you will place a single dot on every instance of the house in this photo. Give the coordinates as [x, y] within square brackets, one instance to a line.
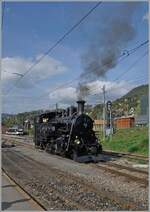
[124, 122]
[142, 120]
[98, 124]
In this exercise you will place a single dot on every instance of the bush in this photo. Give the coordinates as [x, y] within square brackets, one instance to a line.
[133, 148]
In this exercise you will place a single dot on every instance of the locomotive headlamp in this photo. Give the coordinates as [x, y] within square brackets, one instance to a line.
[77, 141]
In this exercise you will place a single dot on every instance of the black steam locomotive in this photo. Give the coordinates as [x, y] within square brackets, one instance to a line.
[67, 133]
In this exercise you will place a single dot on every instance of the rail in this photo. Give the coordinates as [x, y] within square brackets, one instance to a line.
[35, 201]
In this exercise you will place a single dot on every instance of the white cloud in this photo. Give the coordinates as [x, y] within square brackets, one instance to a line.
[113, 90]
[64, 95]
[46, 68]
[145, 17]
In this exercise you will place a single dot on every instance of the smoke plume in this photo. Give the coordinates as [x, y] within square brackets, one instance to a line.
[107, 44]
[82, 91]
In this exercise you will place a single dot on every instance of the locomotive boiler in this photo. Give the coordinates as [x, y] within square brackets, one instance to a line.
[67, 133]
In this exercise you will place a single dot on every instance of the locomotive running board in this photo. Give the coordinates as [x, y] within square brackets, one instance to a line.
[90, 158]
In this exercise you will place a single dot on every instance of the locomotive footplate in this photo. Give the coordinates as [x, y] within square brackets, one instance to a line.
[90, 158]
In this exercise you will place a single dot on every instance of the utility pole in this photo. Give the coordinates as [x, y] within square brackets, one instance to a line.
[111, 124]
[56, 108]
[104, 112]
[109, 110]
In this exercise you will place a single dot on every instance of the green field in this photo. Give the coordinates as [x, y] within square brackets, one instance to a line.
[133, 140]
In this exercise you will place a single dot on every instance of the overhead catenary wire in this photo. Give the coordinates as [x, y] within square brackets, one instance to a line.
[52, 105]
[98, 89]
[111, 90]
[121, 57]
[129, 69]
[132, 65]
[137, 47]
[110, 96]
[3, 14]
[15, 73]
[123, 86]
[67, 33]
[117, 78]
[56, 44]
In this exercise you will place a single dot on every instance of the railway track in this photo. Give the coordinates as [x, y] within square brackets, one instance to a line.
[56, 187]
[26, 139]
[18, 140]
[28, 164]
[29, 140]
[34, 200]
[126, 155]
[71, 191]
[130, 173]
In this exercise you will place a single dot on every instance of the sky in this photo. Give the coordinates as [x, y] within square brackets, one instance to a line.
[30, 28]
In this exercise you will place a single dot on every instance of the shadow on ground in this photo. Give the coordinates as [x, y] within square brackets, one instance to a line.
[6, 205]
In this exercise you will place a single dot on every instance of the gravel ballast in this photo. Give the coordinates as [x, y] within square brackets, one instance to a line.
[62, 184]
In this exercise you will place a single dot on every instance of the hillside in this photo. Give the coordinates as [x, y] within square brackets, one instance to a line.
[120, 107]
[138, 92]
[6, 115]
[124, 105]
[9, 120]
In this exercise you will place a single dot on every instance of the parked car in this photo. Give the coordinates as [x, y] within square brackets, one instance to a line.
[14, 131]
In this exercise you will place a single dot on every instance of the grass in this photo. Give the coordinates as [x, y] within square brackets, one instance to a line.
[133, 140]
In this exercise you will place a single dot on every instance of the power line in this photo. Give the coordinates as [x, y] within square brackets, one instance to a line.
[116, 88]
[97, 89]
[3, 8]
[13, 73]
[129, 69]
[112, 88]
[58, 42]
[134, 49]
[122, 56]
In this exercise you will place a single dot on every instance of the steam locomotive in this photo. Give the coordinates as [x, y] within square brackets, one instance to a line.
[67, 133]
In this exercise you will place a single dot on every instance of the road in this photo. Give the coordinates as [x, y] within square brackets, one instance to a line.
[14, 198]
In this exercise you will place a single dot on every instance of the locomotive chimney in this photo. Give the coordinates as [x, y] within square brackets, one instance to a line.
[80, 106]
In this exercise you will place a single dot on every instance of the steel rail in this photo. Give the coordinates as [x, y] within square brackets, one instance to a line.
[110, 168]
[26, 192]
[108, 165]
[125, 154]
[88, 186]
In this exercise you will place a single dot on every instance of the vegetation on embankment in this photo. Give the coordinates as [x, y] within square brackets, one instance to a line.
[123, 105]
[133, 140]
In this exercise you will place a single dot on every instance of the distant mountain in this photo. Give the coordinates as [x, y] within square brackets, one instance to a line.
[122, 106]
[6, 115]
[10, 120]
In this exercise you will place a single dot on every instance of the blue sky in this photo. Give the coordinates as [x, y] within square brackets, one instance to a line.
[29, 29]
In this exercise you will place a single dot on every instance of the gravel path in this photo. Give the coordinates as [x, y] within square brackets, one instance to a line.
[63, 184]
